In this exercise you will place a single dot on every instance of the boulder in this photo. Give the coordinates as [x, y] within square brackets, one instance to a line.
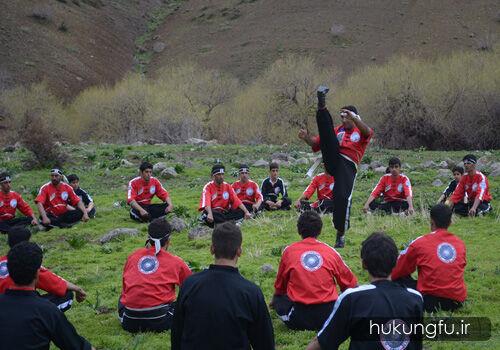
[428, 164]
[199, 142]
[303, 161]
[261, 163]
[177, 224]
[125, 163]
[267, 268]
[495, 170]
[444, 173]
[159, 46]
[118, 232]
[437, 183]
[376, 164]
[280, 156]
[169, 173]
[159, 167]
[443, 164]
[364, 167]
[199, 232]
[380, 169]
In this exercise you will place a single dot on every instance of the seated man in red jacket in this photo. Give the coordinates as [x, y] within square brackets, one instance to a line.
[248, 191]
[59, 291]
[472, 196]
[9, 202]
[219, 202]
[141, 191]
[322, 184]
[147, 302]
[440, 259]
[305, 290]
[396, 189]
[52, 202]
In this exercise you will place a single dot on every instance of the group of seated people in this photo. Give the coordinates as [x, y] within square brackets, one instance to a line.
[219, 309]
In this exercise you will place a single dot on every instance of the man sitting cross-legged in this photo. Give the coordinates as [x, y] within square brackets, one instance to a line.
[59, 291]
[440, 260]
[396, 189]
[9, 202]
[141, 191]
[52, 202]
[472, 196]
[458, 172]
[272, 187]
[305, 285]
[248, 191]
[26, 320]
[218, 201]
[147, 302]
[322, 184]
[88, 202]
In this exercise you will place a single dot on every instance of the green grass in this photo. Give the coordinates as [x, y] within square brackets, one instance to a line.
[76, 255]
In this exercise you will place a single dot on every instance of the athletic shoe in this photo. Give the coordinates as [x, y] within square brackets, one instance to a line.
[321, 93]
[340, 242]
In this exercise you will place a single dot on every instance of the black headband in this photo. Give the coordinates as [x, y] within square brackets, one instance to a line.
[5, 178]
[56, 171]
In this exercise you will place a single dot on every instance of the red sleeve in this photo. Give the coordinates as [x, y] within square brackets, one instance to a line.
[379, 188]
[281, 283]
[407, 188]
[161, 192]
[24, 207]
[132, 193]
[315, 147]
[458, 194]
[406, 263]
[51, 283]
[236, 202]
[311, 188]
[73, 198]
[344, 278]
[258, 194]
[184, 272]
[366, 139]
[205, 200]
[42, 195]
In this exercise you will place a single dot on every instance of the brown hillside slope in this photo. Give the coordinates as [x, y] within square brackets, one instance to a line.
[97, 46]
[245, 36]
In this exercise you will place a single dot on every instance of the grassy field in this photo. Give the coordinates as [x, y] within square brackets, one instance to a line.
[76, 254]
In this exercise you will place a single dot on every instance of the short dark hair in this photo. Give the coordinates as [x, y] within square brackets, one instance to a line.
[72, 177]
[274, 165]
[441, 215]
[18, 235]
[23, 261]
[309, 224]
[458, 169]
[351, 108]
[159, 228]
[394, 161]
[226, 239]
[145, 165]
[379, 254]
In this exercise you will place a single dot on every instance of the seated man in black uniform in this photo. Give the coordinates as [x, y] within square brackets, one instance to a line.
[28, 321]
[218, 309]
[88, 202]
[378, 303]
[272, 187]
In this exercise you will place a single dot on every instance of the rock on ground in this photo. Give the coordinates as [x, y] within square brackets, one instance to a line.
[261, 163]
[199, 232]
[118, 232]
[177, 224]
[169, 173]
[159, 167]
[267, 268]
[437, 183]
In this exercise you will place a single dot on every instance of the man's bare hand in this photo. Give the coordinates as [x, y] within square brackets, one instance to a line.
[303, 134]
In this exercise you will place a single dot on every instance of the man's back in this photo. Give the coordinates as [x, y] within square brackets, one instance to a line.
[219, 309]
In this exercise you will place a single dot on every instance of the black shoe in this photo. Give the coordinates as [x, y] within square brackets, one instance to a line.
[340, 242]
[321, 93]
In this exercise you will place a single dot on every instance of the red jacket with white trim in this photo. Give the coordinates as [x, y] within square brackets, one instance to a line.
[440, 258]
[308, 272]
[472, 186]
[247, 192]
[149, 280]
[11, 201]
[323, 184]
[47, 280]
[218, 197]
[143, 192]
[56, 198]
[352, 143]
[393, 188]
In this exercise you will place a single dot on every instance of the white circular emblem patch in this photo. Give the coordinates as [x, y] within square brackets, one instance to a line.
[249, 191]
[4, 272]
[311, 260]
[64, 195]
[277, 190]
[394, 335]
[355, 137]
[13, 203]
[1, 204]
[340, 136]
[400, 188]
[148, 264]
[225, 195]
[237, 191]
[152, 189]
[446, 253]
[331, 186]
[474, 187]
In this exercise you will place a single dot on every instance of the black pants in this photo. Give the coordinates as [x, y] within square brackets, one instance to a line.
[251, 209]
[462, 209]
[154, 319]
[389, 207]
[431, 303]
[65, 220]
[154, 211]
[301, 316]
[91, 213]
[63, 303]
[286, 203]
[324, 206]
[7, 225]
[339, 167]
[222, 216]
